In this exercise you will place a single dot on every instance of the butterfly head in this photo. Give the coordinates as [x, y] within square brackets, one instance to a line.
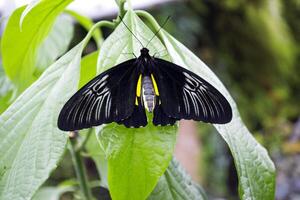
[144, 52]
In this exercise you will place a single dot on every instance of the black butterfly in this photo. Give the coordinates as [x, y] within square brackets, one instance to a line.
[122, 93]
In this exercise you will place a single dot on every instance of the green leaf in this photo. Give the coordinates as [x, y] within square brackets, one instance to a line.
[5, 86]
[56, 43]
[28, 8]
[255, 169]
[5, 101]
[51, 193]
[136, 157]
[176, 184]
[88, 68]
[96, 152]
[31, 144]
[6, 90]
[19, 47]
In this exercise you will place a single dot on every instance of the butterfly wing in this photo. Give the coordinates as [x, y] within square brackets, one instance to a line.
[185, 95]
[109, 97]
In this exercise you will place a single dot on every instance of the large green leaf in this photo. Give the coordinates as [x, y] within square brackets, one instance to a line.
[255, 169]
[20, 43]
[27, 9]
[88, 68]
[31, 144]
[56, 43]
[176, 184]
[6, 89]
[136, 157]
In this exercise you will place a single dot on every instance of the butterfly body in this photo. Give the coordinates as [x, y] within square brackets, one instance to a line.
[123, 93]
[148, 93]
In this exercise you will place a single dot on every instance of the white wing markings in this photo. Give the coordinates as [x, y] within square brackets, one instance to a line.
[94, 95]
[85, 106]
[200, 94]
[108, 104]
[186, 103]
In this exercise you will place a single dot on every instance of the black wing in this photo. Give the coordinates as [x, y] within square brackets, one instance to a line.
[109, 97]
[160, 117]
[185, 95]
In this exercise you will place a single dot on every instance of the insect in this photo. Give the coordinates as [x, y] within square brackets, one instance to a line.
[123, 93]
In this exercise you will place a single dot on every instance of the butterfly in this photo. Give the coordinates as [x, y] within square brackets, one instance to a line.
[123, 93]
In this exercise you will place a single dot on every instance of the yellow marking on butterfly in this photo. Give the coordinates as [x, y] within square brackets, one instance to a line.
[136, 101]
[154, 85]
[139, 86]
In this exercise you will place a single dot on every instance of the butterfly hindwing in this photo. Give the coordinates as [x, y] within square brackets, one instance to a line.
[160, 117]
[109, 97]
[185, 95]
[138, 117]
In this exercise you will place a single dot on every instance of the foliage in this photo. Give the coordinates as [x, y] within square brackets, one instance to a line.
[176, 184]
[6, 90]
[23, 40]
[133, 163]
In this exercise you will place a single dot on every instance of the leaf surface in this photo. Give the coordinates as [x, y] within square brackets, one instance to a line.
[6, 90]
[176, 184]
[88, 68]
[20, 44]
[31, 144]
[56, 43]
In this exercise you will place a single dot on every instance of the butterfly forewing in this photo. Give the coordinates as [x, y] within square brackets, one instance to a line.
[185, 95]
[109, 97]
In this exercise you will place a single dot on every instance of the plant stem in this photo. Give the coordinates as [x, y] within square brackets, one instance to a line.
[81, 145]
[121, 5]
[79, 167]
[122, 8]
[87, 24]
[108, 24]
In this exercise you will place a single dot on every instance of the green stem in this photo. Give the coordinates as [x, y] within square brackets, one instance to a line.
[121, 5]
[86, 23]
[122, 8]
[82, 144]
[79, 167]
[108, 24]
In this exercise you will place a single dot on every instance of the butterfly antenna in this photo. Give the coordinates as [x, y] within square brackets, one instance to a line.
[158, 30]
[131, 31]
